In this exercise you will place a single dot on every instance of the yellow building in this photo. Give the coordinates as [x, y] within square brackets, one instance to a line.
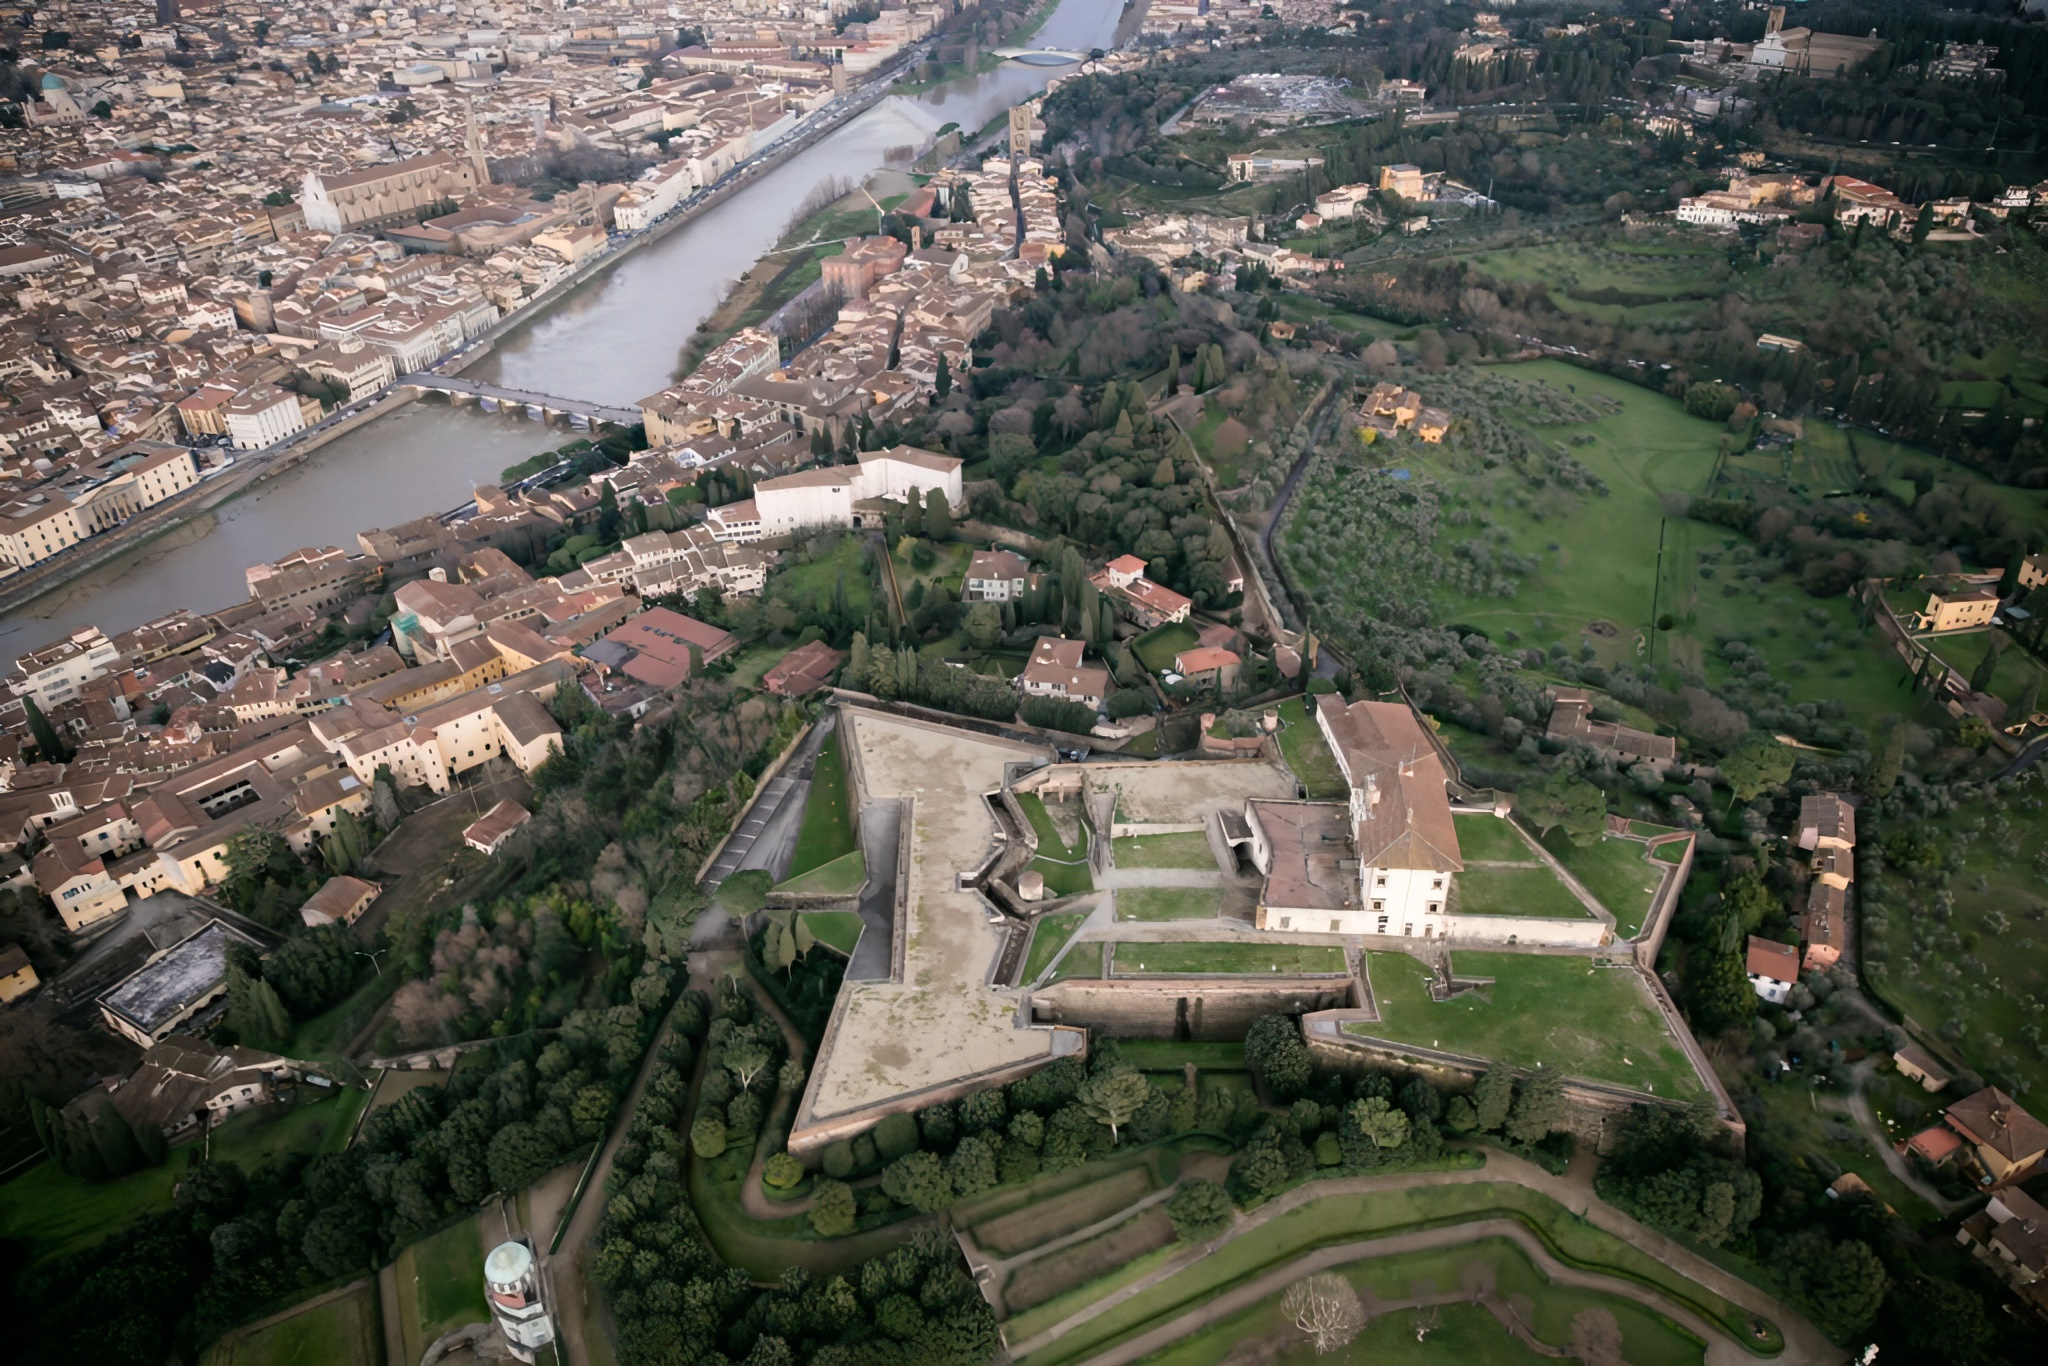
[17, 977]
[1959, 609]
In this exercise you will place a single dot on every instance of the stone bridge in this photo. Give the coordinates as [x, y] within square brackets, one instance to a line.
[1040, 56]
[545, 407]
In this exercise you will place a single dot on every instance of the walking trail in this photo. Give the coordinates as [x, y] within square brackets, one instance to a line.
[1804, 1344]
[566, 1267]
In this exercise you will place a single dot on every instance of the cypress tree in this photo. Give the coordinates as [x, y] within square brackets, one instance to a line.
[52, 749]
[115, 1141]
[1883, 773]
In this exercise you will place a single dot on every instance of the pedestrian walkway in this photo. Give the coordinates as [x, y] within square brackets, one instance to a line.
[1805, 1345]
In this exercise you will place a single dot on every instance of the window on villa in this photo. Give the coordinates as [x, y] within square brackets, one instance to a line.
[1286, 921]
[1436, 884]
[1336, 926]
[1383, 925]
[1379, 904]
[1432, 908]
[1380, 881]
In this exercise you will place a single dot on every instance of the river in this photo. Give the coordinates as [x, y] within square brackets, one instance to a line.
[614, 340]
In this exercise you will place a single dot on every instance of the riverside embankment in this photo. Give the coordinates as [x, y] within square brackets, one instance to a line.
[612, 335]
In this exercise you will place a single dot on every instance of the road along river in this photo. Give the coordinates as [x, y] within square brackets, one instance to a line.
[614, 340]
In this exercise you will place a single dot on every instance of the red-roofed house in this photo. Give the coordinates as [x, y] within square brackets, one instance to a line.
[1056, 671]
[803, 670]
[1935, 1146]
[1208, 666]
[656, 647]
[1773, 969]
[1143, 601]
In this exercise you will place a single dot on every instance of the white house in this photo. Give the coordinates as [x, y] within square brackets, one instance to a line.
[1396, 829]
[1773, 969]
[263, 415]
[825, 497]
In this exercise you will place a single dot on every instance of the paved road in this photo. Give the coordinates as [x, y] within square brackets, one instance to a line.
[1805, 1345]
[767, 837]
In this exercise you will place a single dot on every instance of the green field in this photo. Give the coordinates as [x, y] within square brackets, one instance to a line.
[1168, 903]
[827, 831]
[1084, 961]
[54, 1213]
[1962, 971]
[1594, 556]
[319, 1123]
[1235, 958]
[1964, 653]
[1307, 753]
[838, 930]
[1614, 872]
[1531, 891]
[1489, 839]
[1466, 1332]
[1350, 1216]
[341, 1332]
[1190, 850]
[823, 580]
[1156, 649]
[1170, 1055]
[1050, 936]
[448, 1280]
[1599, 1023]
[1063, 866]
[843, 876]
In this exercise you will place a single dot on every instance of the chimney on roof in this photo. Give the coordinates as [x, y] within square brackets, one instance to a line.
[1372, 790]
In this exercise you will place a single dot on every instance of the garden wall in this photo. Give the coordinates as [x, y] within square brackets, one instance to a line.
[1594, 1108]
[1201, 1008]
[1472, 930]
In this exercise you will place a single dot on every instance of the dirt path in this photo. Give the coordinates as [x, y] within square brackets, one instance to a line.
[1859, 1109]
[1720, 1351]
[1804, 1344]
[752, 1199]
[566, 1268]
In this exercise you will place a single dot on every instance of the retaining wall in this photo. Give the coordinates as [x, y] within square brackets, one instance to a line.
[1205, 1008]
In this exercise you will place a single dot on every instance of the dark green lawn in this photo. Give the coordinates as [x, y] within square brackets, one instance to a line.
[1307, 753]
[1047, 940]
[1613, 870]
[1189, 850]
[449, 1279]
[1236, 958]
[1156, 649]
[835, 929]
[1530, 891]
[1082, 961]
[1168, 903]
[1064, 867]
[1562, 1011]
[827, 830]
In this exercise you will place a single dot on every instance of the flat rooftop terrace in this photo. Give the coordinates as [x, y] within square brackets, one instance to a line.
[901, 1043]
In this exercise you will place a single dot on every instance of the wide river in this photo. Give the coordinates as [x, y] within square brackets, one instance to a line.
[614, 340]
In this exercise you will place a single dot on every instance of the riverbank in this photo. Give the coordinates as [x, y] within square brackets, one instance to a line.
[608, 333]
[138, 533]
[254, 467]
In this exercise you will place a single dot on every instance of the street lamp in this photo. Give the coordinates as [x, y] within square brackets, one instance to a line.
[373, 956]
